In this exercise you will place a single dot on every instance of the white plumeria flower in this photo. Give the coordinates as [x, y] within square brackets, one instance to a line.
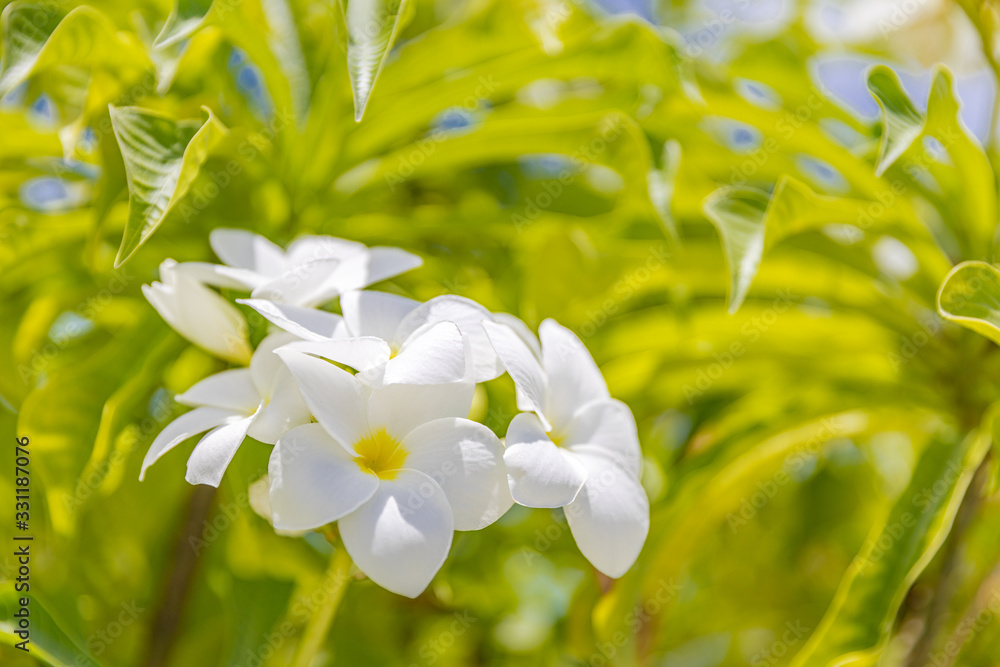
[575, 446]
[199, 314]
[313, 270]
[398, 467]
[262, 401]
[390, 339]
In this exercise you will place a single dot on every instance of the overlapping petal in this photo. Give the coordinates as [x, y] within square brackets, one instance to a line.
[433, 354]
[187, 425]
[230, 390]
[314, 480]
[335, 398]
[400, 408]
[524, 367]
[401, 536]
[468, 316]
[306, 323]
[213, 453]
[609, 518]
[607, 426]
[573, 378]
[466, 460]
[540, 473]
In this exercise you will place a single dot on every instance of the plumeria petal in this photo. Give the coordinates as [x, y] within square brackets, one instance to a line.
[608, 425]
[524, 367]
[314, 480]
[400, 408]
[266, 365]
[610, 517]
[212, 454]
[364, 269]
[334, 396]
[199, 314]
[376, 314]
[187, 425]
[219, 275]
[308, 248]
[401, 537]
[468, 316]
[243, 249]
[574, 379]
[433, 354]
[466, 460]
[300, 284]
[283, 411]
[306, 323]
[540, 473]
[231, 390]
[522, 331]
[361, 353]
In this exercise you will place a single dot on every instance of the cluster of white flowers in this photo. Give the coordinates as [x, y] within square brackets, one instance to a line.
[387, 450]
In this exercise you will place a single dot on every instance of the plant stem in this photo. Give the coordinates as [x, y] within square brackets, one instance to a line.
[334, 583]
[178, 582]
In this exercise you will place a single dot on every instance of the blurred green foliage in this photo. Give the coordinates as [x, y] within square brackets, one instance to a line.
[818, 459]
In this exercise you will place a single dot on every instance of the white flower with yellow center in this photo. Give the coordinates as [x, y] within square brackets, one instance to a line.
[261, 401]
[398, 467]
[313, 270]
[575, 446]
[199, 314]
[390, 339]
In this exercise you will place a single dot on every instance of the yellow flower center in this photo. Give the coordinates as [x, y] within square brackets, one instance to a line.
[380, 454]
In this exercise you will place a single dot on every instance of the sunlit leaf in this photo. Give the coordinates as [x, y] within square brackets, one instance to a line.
[970, 296]
[859, 622]
[162, 158]
[372, 28]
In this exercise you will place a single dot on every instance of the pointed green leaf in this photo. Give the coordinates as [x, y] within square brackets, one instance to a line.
[859, 622]
[965, 177]
[372, 29]
[749, 223]
[162, 158]
[49, 641]
[37, 38]
[186, 16]
[970, 296]
[903, 122]
[738, 215]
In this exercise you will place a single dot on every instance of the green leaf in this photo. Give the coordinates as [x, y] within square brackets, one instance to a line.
[186, 16]
[162, 158]
[49, 641]
[738, 215]
[372, 28]
[750, 224]
[859, 621]
[970, 296]
[903, 122]
[965, 178]
[35, 40]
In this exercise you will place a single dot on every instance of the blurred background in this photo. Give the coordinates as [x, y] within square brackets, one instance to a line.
[548, 158]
